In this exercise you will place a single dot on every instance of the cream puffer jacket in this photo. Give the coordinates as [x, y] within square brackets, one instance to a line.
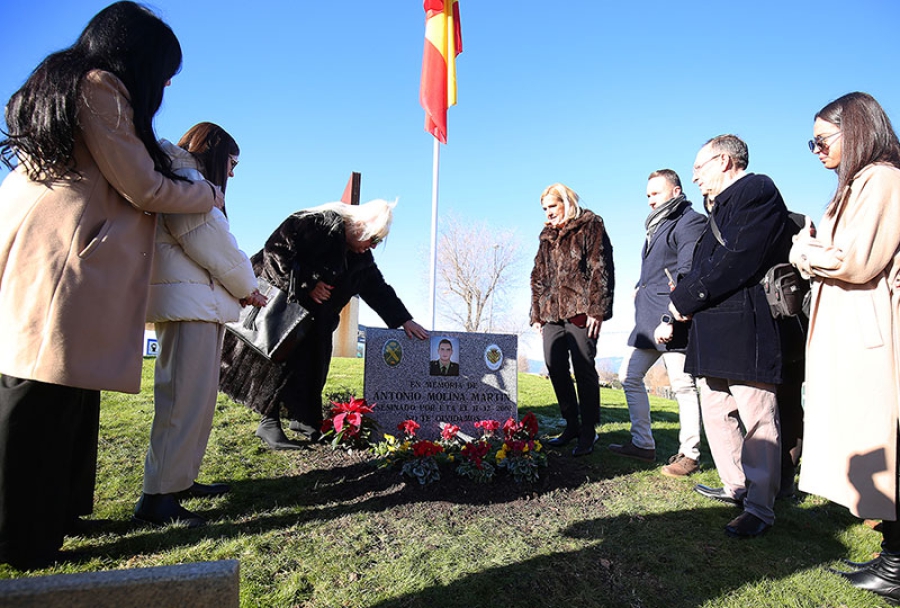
[199, 273]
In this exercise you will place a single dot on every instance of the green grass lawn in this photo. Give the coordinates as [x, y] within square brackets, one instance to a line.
[320, 528]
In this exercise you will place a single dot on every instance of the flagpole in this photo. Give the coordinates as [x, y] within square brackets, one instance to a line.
[435, 167]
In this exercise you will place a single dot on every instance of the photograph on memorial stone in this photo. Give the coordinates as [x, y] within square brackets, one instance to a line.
[444, 356]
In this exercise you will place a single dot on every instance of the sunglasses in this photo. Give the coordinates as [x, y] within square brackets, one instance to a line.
[234, 163]
[820, 142]
[375, 240]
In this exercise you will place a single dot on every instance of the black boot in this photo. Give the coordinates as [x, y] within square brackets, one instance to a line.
[269, 430]
[882, 577]
[163, 509]
[307, 430]
[569, 433]
[586, 440]
[856, 565]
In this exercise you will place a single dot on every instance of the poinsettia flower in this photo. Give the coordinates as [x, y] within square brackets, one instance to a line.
[353, 420]
[354, 405]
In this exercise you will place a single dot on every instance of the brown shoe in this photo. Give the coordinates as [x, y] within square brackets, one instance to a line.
[632, 451]
[680, 466]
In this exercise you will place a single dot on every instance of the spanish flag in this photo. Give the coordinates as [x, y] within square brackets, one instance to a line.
[443, 42]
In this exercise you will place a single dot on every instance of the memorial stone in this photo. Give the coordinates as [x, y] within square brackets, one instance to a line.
[454, 377]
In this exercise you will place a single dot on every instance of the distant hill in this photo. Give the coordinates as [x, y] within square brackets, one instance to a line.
[606, 363]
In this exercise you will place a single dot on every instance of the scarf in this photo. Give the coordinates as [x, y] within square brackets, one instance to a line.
[660, 213]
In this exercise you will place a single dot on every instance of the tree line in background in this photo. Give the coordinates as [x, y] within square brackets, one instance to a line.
[478, 264]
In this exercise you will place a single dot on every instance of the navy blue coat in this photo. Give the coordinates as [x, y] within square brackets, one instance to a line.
[733, 334]
[672, 247]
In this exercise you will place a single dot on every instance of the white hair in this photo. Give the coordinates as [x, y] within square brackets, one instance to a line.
[372, 219]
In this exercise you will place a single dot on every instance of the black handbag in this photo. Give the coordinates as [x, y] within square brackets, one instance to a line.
[274, 330]
[787, 293]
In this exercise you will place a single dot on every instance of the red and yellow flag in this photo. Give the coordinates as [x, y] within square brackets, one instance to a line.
[443, 42]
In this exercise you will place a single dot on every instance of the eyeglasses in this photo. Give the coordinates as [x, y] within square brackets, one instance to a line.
[706, 162]
[234, 163]
[821, 142]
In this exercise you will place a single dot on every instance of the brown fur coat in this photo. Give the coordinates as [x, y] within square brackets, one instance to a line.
[573, 271]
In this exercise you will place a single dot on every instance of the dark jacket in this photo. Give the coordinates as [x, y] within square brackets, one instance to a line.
[671, 247]
[733, 334]
[434, 369]
[314, 247]
[573, 271]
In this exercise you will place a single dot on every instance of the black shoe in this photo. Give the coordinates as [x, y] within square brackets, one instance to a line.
[204, 490]
[585, 444]
[746, 525]
[563, 439]
[307, 430]
[855, 565]
[163, 509]
[717, 494]
[881, 577]
[77, 526]
[269, 430]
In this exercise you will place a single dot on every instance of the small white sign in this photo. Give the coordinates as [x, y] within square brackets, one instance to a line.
[151, 345]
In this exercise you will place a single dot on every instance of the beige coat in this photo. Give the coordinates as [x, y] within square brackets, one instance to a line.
[852, 376]
[75, 254]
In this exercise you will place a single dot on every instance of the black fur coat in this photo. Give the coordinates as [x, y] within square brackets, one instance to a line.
[314, 246]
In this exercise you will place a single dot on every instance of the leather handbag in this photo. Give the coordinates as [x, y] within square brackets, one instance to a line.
[787, 293]
[274, 330]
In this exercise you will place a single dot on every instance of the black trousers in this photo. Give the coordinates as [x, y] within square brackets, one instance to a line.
[309, 364]
[790, 412]
[564, 341]
[48, 465]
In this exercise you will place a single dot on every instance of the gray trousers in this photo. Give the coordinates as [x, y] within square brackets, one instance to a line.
[184, 400]
[743, 433]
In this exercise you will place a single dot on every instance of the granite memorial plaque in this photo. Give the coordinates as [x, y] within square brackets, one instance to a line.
[453, 377]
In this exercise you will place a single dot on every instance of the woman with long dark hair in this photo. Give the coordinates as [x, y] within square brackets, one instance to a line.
[200, 281]
[77, 219]
[853, 350]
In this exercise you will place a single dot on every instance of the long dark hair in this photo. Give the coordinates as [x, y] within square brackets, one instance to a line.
[867, 137]
[125, 39]
[212, 146]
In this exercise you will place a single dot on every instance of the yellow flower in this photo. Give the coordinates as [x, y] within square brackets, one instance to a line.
[537, 446]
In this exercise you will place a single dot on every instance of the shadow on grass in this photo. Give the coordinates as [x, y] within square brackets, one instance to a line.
[673, 559]
[329, 493]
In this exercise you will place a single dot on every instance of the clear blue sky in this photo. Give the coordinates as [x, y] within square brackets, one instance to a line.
[592, 93]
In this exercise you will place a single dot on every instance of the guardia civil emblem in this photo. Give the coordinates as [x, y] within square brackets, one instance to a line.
[392, 353]
[493, 357]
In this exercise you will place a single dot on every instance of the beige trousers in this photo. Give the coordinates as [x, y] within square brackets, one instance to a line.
[743, 433]
[184, 398]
